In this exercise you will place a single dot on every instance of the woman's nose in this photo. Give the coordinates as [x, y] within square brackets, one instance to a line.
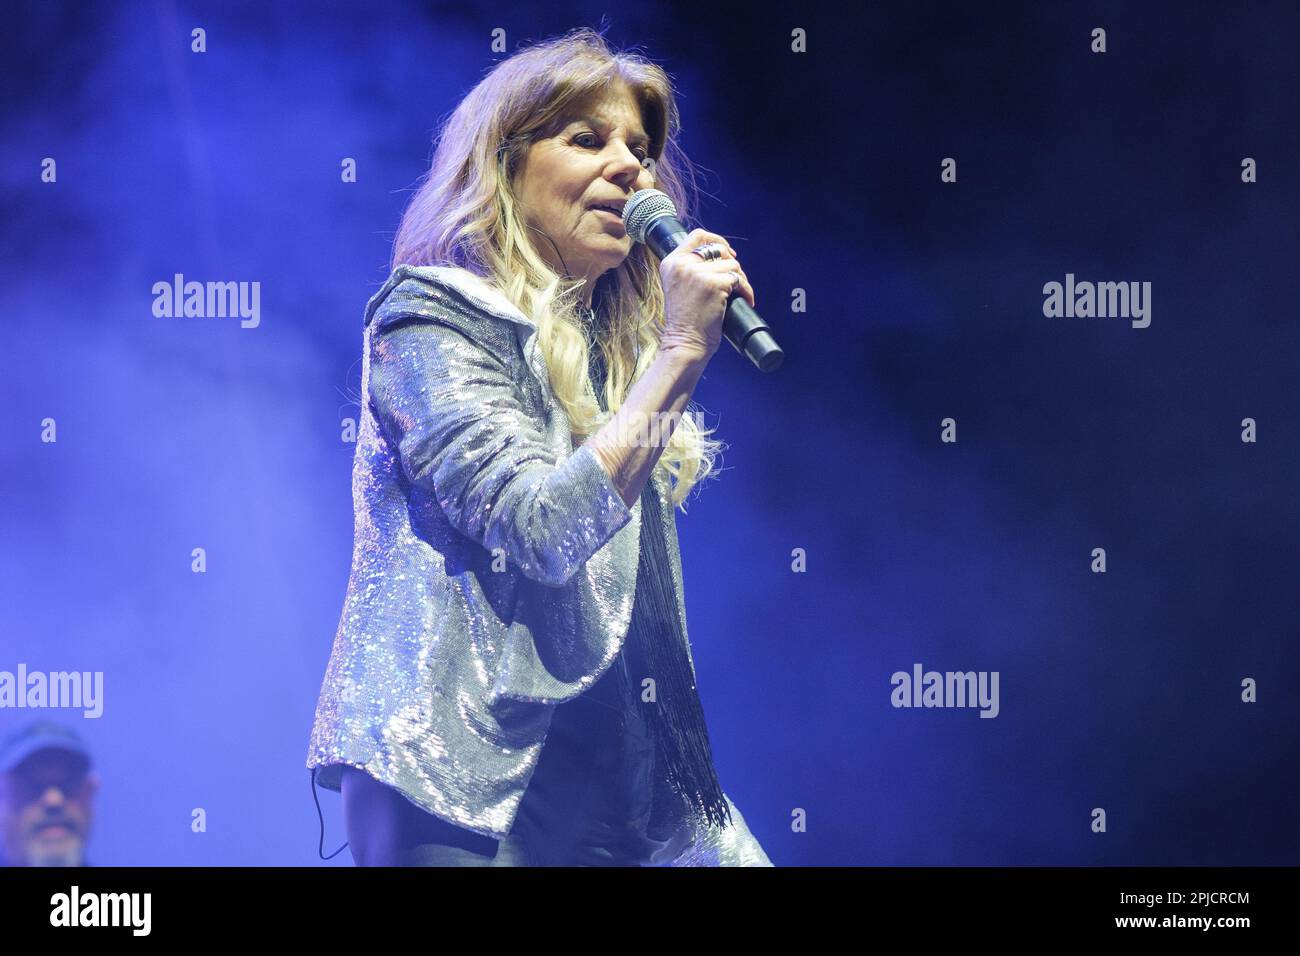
[625, 167]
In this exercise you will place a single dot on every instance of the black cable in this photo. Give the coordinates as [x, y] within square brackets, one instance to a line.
[320, 851]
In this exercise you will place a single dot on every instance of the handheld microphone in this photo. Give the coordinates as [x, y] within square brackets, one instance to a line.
[650, 217]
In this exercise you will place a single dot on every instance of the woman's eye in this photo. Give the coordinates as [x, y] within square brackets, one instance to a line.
[640, 152]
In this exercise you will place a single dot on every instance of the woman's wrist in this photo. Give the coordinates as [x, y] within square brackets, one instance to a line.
[683, 362]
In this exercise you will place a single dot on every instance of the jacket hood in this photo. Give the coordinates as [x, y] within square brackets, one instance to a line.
[473, 287]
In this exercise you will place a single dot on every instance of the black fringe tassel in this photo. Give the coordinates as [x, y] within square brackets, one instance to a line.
[681, 737]
[656, 647]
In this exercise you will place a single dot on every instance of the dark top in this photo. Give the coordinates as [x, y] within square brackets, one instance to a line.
[590, 799]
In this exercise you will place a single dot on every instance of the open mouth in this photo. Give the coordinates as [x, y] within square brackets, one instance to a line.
[613, 209]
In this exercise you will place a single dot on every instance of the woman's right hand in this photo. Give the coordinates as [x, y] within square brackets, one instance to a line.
[696, 293]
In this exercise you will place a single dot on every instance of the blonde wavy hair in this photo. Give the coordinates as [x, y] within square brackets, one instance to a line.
[465, 213]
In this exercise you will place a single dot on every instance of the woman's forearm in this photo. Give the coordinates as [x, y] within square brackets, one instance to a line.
[629, 444]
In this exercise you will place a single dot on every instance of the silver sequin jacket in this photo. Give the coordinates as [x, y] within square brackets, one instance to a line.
[493, 570]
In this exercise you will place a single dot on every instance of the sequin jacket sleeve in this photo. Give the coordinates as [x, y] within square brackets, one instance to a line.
[464, 428]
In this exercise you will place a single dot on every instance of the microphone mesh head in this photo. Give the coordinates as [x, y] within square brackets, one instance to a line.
[643, 207]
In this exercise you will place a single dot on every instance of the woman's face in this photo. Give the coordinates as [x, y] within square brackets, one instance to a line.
[598, 157]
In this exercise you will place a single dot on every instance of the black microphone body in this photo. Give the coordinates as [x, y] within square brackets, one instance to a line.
[741, 326]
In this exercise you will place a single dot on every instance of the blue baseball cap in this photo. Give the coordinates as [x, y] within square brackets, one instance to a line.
[41, 735]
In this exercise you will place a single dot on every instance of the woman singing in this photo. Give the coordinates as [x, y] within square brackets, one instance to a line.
[511, 683]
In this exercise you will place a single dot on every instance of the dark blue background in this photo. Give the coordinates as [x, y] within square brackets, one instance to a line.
[1118, 691]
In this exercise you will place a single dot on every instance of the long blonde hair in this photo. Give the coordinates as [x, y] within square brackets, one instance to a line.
[465, 213]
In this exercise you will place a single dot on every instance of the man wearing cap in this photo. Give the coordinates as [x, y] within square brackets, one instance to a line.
[47, 791]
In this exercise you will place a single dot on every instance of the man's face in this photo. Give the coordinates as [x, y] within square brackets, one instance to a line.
[45, 809]
[600, 156]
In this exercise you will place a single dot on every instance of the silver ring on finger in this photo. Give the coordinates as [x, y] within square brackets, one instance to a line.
[709, 251]
[735, 281]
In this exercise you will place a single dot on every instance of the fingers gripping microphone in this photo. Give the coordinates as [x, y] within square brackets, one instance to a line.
[650, 217]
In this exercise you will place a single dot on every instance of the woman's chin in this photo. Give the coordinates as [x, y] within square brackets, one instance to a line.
[610, 253]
